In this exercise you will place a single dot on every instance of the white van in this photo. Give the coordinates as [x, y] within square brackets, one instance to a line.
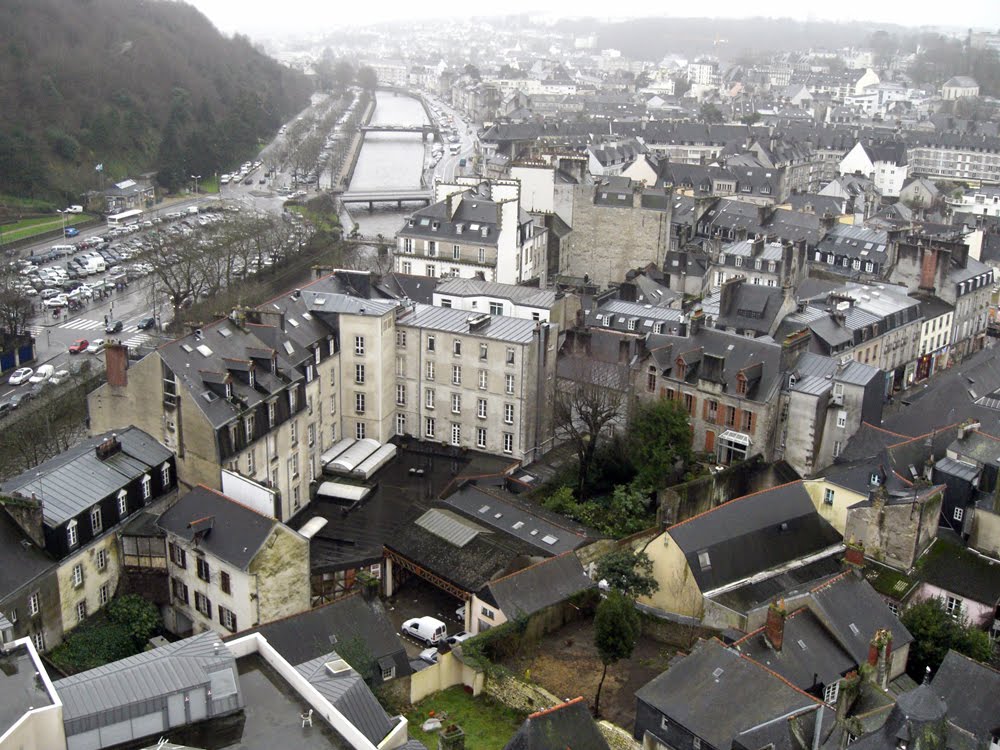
[430, 630]
[96, 265]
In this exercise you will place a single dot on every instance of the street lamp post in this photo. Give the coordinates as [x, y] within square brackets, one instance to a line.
[196, 177]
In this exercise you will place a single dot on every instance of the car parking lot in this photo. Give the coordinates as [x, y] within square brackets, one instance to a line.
[418, 598]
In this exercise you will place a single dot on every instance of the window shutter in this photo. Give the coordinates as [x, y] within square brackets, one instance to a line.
[753, 422]
[720, 414]
[738, 422]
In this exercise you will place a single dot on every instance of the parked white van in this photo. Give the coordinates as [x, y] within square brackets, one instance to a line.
[96, 265]
[430, 630]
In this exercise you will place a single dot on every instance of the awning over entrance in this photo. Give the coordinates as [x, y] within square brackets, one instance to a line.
[736, 438]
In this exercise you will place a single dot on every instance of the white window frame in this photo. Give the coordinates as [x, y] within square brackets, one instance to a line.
[359, 346]
[430, 427]
[34, 604]
[508, 413]
[72, 535]
[456, 433]
[509, 384]
[122, 504]
[508, 442]
[96, 520]
[831, 692]
[101, 559]
[77, 575]
[81, 610]
[481, 437]
[828, 496]
[959, 513]
[483, 380]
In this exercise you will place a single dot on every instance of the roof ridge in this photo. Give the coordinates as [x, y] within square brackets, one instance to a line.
[346, 597]
[779, 677]
[734, 500]
[748, 636]
[557, 707]
[931, 434]
[531, 567]
[977, 663]
[829, 582]
[883, 429]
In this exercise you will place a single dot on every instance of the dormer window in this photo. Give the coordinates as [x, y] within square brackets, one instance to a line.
[741, 384]
[681, 367]
[147, 487]
[229, 390]
[876, 479]
[72, 536]
[250, 375]
[739, 262]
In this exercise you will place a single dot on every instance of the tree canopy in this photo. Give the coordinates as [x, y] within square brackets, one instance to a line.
[658, 437]
[628, 572]
[934, 632]
[616, 631]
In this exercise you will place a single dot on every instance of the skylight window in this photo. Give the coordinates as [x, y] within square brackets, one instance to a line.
[187, 348]
[518, 525]
[802, 644]
[307, 316]
[289, 348]
[704, 560]
[854, 629]
[225, 332]
[549, 539]
[204, 350]
[293, 322]
[318, 300]
[484, 509]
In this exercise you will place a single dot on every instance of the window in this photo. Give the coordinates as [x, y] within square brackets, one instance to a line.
[487, 612]
[431, 270]
[177, 556]
[292, 400]
[830, 693]
[224, 583]
[828, 496]
[359, 345]
[400, 424]
[311, 432]
[730, 415]
[34, 604]
[456, 403]
[481, 408]
[696, 741]
[480, 437]
[359, 374]
[407, 266]
[227, 619]
[388, 673]
[96, 523]
[508, 442]
[959, 512]
[509, 384]
[456, 251]
[359, 403]
[122, 504]
[401, 395]
[72, 537]
[77, 575]
[456, 347]
[508, 413]
[39, 640]
[401, 339]
[484, 351]
[510, 355]
[293, 432]
[429, 371]
[203, 571]
[456, 434]
[203, 604]
[248, 427]
[432, 249]
[310, 373]
[101, 559]
[496, 308]
[482, 255]
[81, 610]
[953, 607]
[400, 366]
[430, 344]
[841, 418]
[456, 375]
[483, 379]
[429, 398]
[747, 421]
[165, 475]
[713, 410]
[429, 425]
[251, 462]
[179, 590]
[360, 430]
[838, 446]
[103, 594]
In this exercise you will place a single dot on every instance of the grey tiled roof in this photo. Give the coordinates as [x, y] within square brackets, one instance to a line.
[542, 585]
[519, 295]
[450, 320]
[349, 694]
[972, 692]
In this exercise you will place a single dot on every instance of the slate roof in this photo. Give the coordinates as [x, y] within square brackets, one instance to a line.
[542, 585]
[752, 307]
[617, 314]
[752, 534]
[173, 668]
[311, 634]
[566, 725]
[21, 561]
[716, 694]
[76, 479]
[349, 694]
[519, 295]
[961, 572]
[236, 532]
[972, 693]
[474, 213]
[850, 241]
[809, 655]
[793, 582]
[452, 320]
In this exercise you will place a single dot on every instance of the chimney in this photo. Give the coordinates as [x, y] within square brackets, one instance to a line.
[116, 359]
[757, 246]
[792, 348]
[108, 447]
[827, 222]
[928, 266]
[727, 294]
[764, 215]
[880, 656]
[966, 427]
[27, 513]
[774, 628]
[787, 261]
[854, 555]
[696, 321]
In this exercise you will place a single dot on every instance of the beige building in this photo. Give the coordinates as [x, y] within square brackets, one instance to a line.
[230, 567]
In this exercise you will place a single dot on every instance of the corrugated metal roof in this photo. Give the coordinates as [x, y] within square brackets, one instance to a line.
[521, 295]
[450, 320]
[151, 674]
[349, 694]
[449, 526]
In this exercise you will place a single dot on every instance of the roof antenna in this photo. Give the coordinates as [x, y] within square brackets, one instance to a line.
[927, 675]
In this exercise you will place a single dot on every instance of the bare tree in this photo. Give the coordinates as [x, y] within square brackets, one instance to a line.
[15, 307]
[584, 408]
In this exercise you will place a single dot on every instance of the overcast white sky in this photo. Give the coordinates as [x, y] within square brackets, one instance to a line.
[278, 17]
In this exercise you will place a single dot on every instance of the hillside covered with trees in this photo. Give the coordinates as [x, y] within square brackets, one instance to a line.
[135, 85]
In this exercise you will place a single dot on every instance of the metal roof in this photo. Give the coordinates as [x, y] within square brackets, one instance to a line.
[519, 295]
[77, 479]
[451, 320]
[125, 685]
[449, 526]
[349, 694]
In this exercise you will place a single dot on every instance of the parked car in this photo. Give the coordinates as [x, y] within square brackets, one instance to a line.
[19, 398]
[78, 346]
[96, 346]
[430, 655]
[5, 408]
[72, 231]
[146, 323]
[454, 640]
[113, 326]
[42, 374]
[20, 375]
[430, 630]
[58, 376]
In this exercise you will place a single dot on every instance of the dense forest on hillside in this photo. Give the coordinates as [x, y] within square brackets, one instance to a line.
[135, 85]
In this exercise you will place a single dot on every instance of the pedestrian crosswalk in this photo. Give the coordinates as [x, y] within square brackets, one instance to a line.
[82, 324]
[36, 331]
[141, 339]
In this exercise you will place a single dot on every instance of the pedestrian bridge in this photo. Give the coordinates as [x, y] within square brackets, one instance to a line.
[398, 129]
[392, 195]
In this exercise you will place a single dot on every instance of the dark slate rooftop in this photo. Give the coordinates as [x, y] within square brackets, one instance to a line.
[566, 725]
[77, 479]
[798, 580]
[473, 218]
[235, 532]
[715, 694]
[21, 561]
[752, 534]
[309, 635]
[543, 584]
[961, 571]
[809, 654]
[972, 693]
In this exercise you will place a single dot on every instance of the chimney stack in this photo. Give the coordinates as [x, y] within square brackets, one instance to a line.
[774, 628]
[116, 359]
[880, 656]
[696, 321]
[854, 555]
[792, 347]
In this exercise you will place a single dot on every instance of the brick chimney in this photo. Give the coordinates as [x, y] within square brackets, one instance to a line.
[116, 359]
[928, 266]
[880, 656]
[793, 346]
[696, 322]
[854, 555]
[107, 448]
[774, 628]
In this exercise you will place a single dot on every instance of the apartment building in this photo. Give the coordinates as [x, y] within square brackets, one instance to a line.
[230, 567]
[884, 163]
[762, 263]
[479, 381]
[955, 156]
[473, 229]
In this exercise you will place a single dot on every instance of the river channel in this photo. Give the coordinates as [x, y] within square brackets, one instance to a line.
[389, 160]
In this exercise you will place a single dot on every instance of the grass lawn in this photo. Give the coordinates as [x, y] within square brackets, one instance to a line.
[208, 185]
[30, 227]
[487, 724]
